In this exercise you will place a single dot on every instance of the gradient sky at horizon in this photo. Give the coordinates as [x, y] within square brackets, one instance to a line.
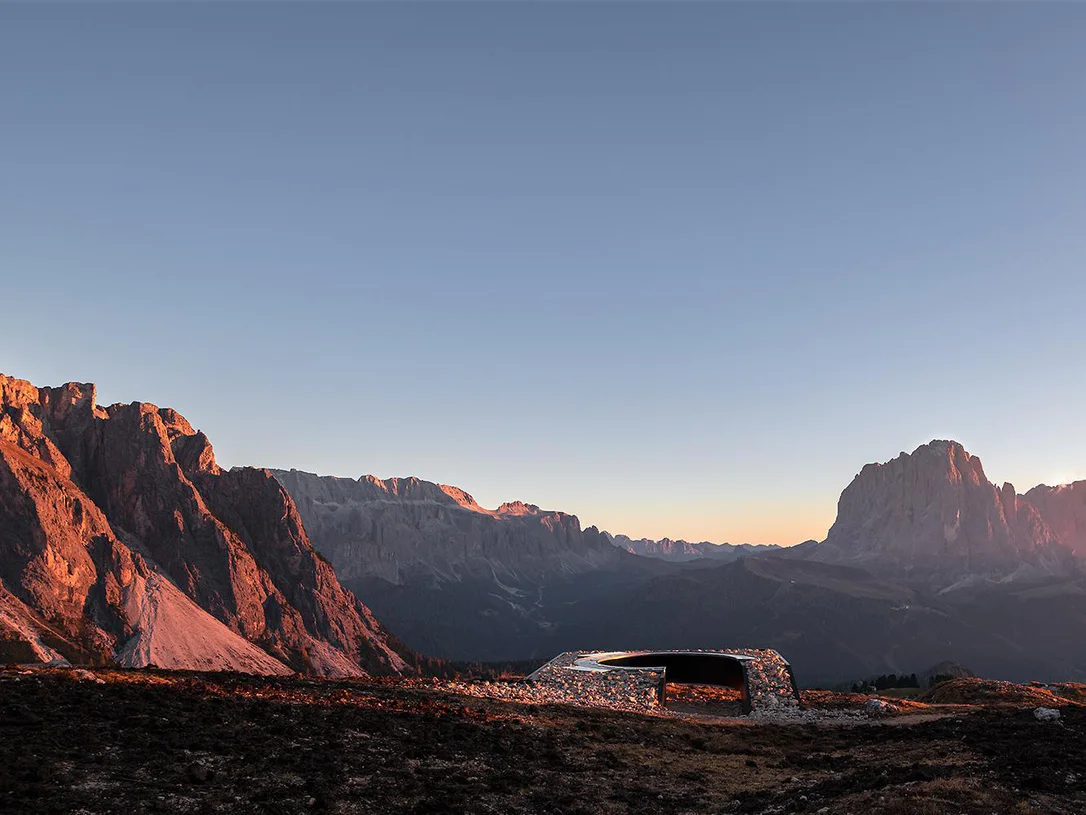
[679, 268]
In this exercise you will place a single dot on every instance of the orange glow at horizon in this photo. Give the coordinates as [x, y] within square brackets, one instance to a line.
[752, 527]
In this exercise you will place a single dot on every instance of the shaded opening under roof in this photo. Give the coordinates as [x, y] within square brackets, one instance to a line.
[687, 668]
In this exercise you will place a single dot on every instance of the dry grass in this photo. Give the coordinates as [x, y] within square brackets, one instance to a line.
[146, 741]
[974, 691]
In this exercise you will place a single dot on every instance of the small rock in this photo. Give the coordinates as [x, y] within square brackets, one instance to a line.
[877, 706]
[1046, 714]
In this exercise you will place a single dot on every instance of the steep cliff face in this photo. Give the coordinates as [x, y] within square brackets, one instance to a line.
[934, 512]
[404, 529]
[1063, 509]
[72, 590]
[97, 501]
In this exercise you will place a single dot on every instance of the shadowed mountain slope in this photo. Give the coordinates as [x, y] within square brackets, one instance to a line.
[452, 578]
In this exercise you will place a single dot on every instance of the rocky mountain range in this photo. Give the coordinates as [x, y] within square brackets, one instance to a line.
[926, 561]
[122, 540]
[452, 578]
[681, 551]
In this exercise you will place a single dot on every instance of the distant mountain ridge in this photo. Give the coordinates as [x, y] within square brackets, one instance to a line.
[451, 578]
[680, 550]
[121, 539]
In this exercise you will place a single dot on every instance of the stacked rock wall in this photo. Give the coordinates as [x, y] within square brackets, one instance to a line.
[770, 683]
[563, 681]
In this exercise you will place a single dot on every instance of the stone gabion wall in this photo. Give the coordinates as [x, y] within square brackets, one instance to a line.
[769, 681]
[624, 688]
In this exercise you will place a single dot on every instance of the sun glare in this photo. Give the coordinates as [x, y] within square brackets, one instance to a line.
[1063, 478]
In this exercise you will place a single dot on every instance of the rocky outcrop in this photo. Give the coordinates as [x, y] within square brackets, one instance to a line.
[681, 551]
[118, 528]
[934, 514]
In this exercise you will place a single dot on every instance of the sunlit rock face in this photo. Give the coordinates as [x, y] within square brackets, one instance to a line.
[934, 512]
[118, 529]
[1063, 508]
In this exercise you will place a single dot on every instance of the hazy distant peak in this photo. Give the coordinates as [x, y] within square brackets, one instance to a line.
[935, 511]
[681, 550]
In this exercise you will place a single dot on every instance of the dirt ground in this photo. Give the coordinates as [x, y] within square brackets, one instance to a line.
[146, 741]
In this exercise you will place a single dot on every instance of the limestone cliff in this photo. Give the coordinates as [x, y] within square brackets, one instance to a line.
[934, 513]
[404, 529]
[119, 530]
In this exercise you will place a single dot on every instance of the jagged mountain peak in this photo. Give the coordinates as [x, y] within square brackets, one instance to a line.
[934, 511]
[1064, 509]
[681, 550]
[938, 455]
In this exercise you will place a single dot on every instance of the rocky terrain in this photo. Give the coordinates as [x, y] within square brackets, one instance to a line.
[118, 742]
[122, 540]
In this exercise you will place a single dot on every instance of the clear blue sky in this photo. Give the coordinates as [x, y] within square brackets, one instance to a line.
[680, 268]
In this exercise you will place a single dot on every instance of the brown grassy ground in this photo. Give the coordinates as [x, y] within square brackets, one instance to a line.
[974, 691]
[200, 743]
